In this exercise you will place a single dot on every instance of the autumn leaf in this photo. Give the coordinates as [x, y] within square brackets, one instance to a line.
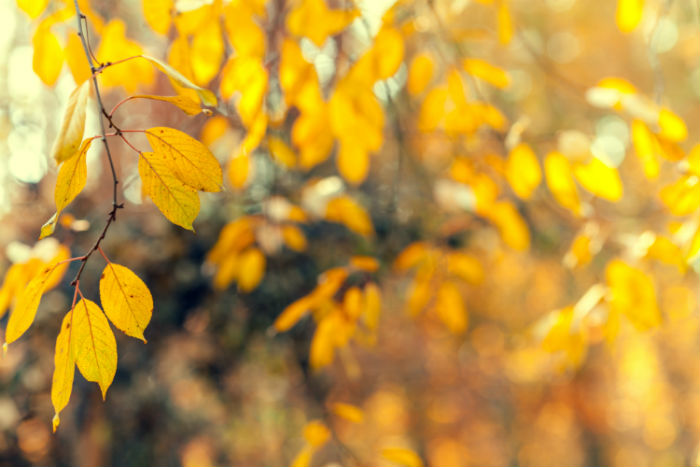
[184, 103]
[207, 97]
[251, 266]
[629, 14]
[48, 55]
[157, 14]
[191, 161]
[72, 126]
[560, 180]
[599, 179]
[487, 72]
[420, 73]
[178, 202]
[348, 412]
[33, 8]
[326, 22]
[93, 345]
[64, 369]
[402, 456]
[126, 300]
[523, 171]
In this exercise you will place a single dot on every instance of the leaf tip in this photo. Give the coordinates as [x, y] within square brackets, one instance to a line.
[4, 349]
[55, 422]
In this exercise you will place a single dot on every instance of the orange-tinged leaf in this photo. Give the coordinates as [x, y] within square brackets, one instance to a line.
[293, 313]
[281, 152]
[510, 224]
[157, 14]
[486, 72]
[671, 126]
[465, 266]
[27, 301]
[75, 58]
[240, 170]
[15, 279]
[419, 294]
[645, 147]
[48, 55]
[353, 161]
[348, 412]
[523, 171]
[207, 52]
[420, 73]
[64, 369]
[599, 179]
[683, 196]
[70, 135]
[190, 160]
[93, 344]
[365, 263]
[402, 456]
[449, 307]
[316, 433]
[234, 237]
[629, 14]
[323, 342]
[348, 212]
[505, 23]
[632, 293]
[126, 300]
[352, 303]
[372, 306]
[205, 95]
[560, 180]
[411, 256]
[251, 269]
[294, 238]
[178, 202]
[303, 458]
[33, 8]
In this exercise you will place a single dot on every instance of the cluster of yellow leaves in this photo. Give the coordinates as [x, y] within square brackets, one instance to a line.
[86, 338]
[344, 298]
[436, 285]
[238, 253]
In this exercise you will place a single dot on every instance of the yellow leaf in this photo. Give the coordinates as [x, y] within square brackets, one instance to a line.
[239, 170]
[372, 306]
[683, 196]
[355, 115]
[510, 224]
[48, 55]
[207, 52]
[303, 458]
[184, 103]
[245, 35]
[632, 294]
[27, 301]
[465, 266]
[671, 126]
[629, 14]
[599, 179]
[293, 313]
[523, 171]
[126, 300]
[346, 211]
[487, 72]
[281, 152]
[251, 269]
[234, 237]
[64, 369]
[323, 342]
[645, 147]
[402, 456]
[248, 76]
[560, 180]
[214, 129]
[75, 58]
[72, 126]
[316, 433]
[664, 250]
[190, 160]
[15, 279]
[348, 412]
[364, 263]
[205, 95]
[352, 161]
[34, 8]
[420, 73]
[411, 256]
[298, 78]
[432, 110]
[449, 306]
[192, 18]
[114, 46]
[694, 246]
[72, 177]
[419, 294]
[178, 202]
[382, 60]
[505, 23]
[326, 22]
[157, 14]
[93, 344]
[227, 271]
[294, 238]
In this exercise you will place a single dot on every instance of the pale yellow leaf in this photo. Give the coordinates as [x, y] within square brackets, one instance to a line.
[207, 97]
[632, 293]
[93, 343]
[72, 128]
[190, 160]
[646, 148]
[33, 8]
[48, 55]
[178, 202]
[185, 104]
[126, 300]
[64, 369]
[683, 196]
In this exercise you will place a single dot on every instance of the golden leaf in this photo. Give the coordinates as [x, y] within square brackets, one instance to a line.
[420, 73]
[326, 22]
[48, 55]
[560, 180]
[486, 72]
[75, 58]
[64, 369]
[348, 212]
[523, 171]
[93, 344]
[184, 103]
[205, 95]
[629, 14]
[599, 179]
[449, 307]
[632, 294]
[34, 8]
[126, 300]
[402, 456]
[316, 433]
[157, 14]
[251, 269]
[72, 126]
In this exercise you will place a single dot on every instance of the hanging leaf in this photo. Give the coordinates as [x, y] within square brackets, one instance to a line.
[178, 202]
[93, 344]
[64, 369]
[205, 95]
[48, 55]
[70, 135]
[126, 300]
[189, 160]
[184, 103]
[523, 171]
[158, 14]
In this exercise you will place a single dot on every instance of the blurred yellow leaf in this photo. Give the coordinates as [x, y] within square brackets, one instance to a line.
[420, 73]
[126, 300]
[205, 95]
[465, 266]
[344, 210]
[402, 456]
[207, 52]
[599, 179]
[449, 307]
[248, 76]
[486, 72]
[523, 171]
[93, 345]
[294, 238]
[157, 14]
[316, 433]
[239, 170]
[326, 22]
[281, 152]
[75, 58]
[664, 250]
[251, 269]
[645, 147]
[348, 412]
[560, 180]
[505, 22]
[48, 55]
[411, 256]
[632, 293]
[353, 161]
[114, 46]
[184, 103]
[671, 126]
[33, 8]
[629, 14]
[372, 305]
[510, 224]
[683, 196]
